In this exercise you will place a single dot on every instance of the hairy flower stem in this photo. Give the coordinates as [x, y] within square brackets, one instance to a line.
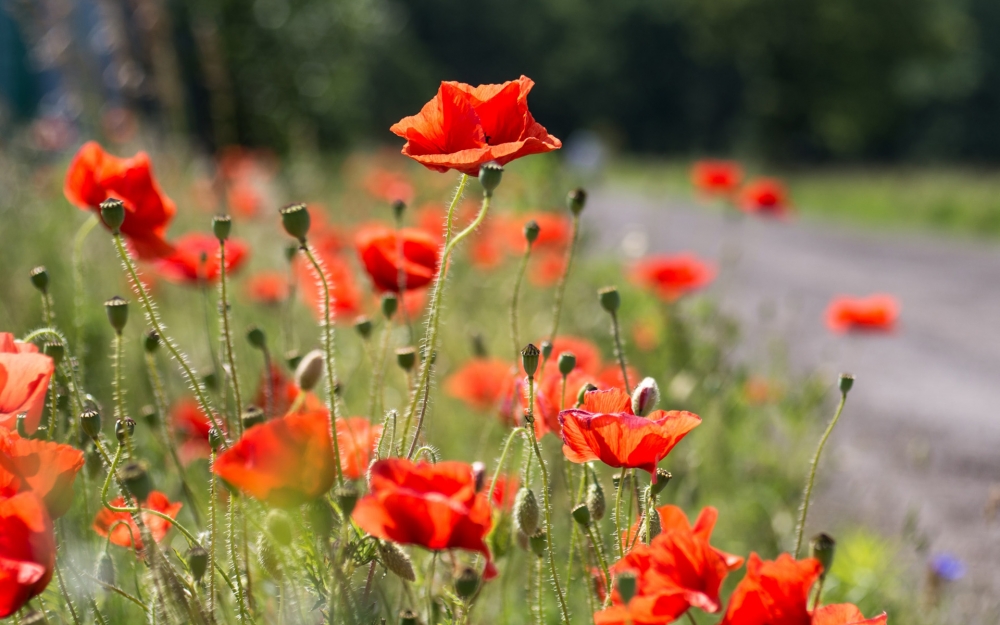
[78, 305]
[515, 333]
[557, 304]
[234, 378]
[212, 522]
[420, 418]
[154, 320]
[804, 509]
[503, 458]
[118, 389]
[65, 593]
[601, 560]
[619, 351]
[234, 558]
[618, 512]
[378, 370]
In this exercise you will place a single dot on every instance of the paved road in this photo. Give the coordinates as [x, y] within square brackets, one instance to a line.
[921, 432]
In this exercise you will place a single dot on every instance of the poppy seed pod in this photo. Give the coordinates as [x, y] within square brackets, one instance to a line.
[55, 351]
[567, 362]
[363, 326]
[197, 561]
[135, 475]
[526, 511]
[479, 475]
[595, 501]
[529, 360]
[408, 617]
[252, 416]
[124, 428]
[20, 424]
[581, 514]
[40, 278]
[582, 393]
[546, 347]
[295, 219]
[822, 547]
[215, 438]
[395, 559]
[489, 176]
[279, 526]
[846, 382]
[150, 416]
[309, 371]
[645, 397]
[406, 357]
[90, 423]
[347, 497]
[256, 337]
[538, 543]
[663, 478]
[467, 583]
[610, 299]
[398, 208]
[531, 231]
[113, 214]
[222, 225]
[390, 304]
[576, 200]
[106, 569]
[151, 341]
[626, 583]
[117, 309]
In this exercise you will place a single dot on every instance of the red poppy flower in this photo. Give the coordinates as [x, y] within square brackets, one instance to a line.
[24, 380]
[357, 439]
[191, 425]
[504, 492]
[481, 383]
[195, 259]
[27, 551]
[875, 313]
[284, 462]
[464, 127]
[45, 468]
[773, 592]
[765, 196]
[715, 177]
[435, 506]
[123, 534]
[605, 429]
[673, 276]
[339, 278]
[554, 233]
[243, 198]
[388, 185]
[588, 355]
[845, 614]
[94, 176]
[546, 267]
[379, 252]
[549, 398]
[267, 287]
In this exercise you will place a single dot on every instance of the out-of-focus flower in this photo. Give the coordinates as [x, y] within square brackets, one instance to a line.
[671, 276]
[339, 278]
[947, 567]
[191, 426]
[267, 287]
[380, 253]
[357, 438]
[546, 267]
[45, 468]
[285, 393]
[243, 199]
[504, 491]
[27, 551]
[464, 127]
[645, 336]
[758, 390]
[195, 259]
[125, 533]
[716, 177]
[24, 380]
[389, 186]
[588, 356]
[875, 313]
[765, 196]
[482, 383]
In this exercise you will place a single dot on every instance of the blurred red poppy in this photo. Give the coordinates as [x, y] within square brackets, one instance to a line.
[380, 254]
[481, 382]
[243, 198]
[605, 429]
[715, 177]
[390, 186]
[554, 231]
[45, 468]
[125, 532]
[671, 276]
[357, 438]
[27, 551]
[195, 260]
[191, 426]
[588, 355]
[94, 176]
[546, 267]
[339, 278]
[845, 614]
[283, 462]
[765, 196]
[24, 380]
[464, 127]
[504, 491]
[875, 313]
[435, 506]
[267, 287]
[285, 393]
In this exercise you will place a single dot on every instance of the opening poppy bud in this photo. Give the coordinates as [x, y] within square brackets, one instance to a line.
[822, 547]
[215, 438]
[395, 559]
[596, 504]
[363, 326]
[576, 200]
[663, 477]
[222, 225]
[398, 208]
[537, 543]
[40, 278]
[150, 416]
[293, 358]
[124, 428]
[846, 382]
[252, 416]
[581, 514]
[489, 176]
[526, 511]
[136, 478]
[151, 341]
[117, 309]
[267, 556]
[55, 351]
[90, 423]
[645, 397]
[582, 393]
[567, 362]
[479, 346]
[256, 337]
[479, 475]
[406, 357]
[309, 371]
[390, 304]
[610, 299]
[529, 359]
[347, 497]
[197, 561]
[106, 569]
[113, 214]
[467, 583]
[625, 581]
[21, 425]
[546, 347]
[279, 526]
[295, 219]
[531, 231]
[408, 617]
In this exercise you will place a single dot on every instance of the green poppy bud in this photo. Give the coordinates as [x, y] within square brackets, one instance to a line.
[822, 547]
[479, 346]
[292, 359]
[215, 438]
[113, 214]
[846, 382]
[610, 299]
[529, 359]
[295, 219]
[151, 341]
[90, 423]
[197, 561]
[390, 304]
[595, 501]
[661, 480]
[546, 348]
[489, 176]
[221, 226]
[567, 362]
[117, 309]
[581, 514]
[531, 231]
[252, 416]
[363, 326]
[408, 617]
[398, 208]
[55, 351]
[581, 395]
[538, 543]
[309, 371]
[40, 278]
[21, 425]
[395, 559]
[406, 357]
[279, 526]
[576, 200]
[256, 337]
[645, 397]
[137, 480]
[106, 569]
[150, 416]
[467, 583]
[626, 583]
[347, 497]
[124, 428]
[526, 511]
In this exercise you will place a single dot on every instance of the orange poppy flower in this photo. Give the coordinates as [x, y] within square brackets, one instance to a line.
[605, 429]
[339, 277]
[435, 506]
[94, 176]
[875, 313]
[464, 127]
[24, 380]
[195, 260]
[45, 468]
[671, 276]
[481, 383]
[191, 425]
[27, 551]
[379, 252]
[357, 439]
[765, 196]
[283, 462]
[267, 287]
[388, 185]
[123, 534]
[845, 614]
[715, 177]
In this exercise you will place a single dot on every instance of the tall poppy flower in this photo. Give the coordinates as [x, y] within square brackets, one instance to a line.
[379, 251]
[716, 177]
[671, 276]
[435, 506]
[267, 287]
[464, 127]
[357, 439]
[481, 383]
[45, 468]
[605, 429]
[284, 462]
[875, 313]
[765, 196]
[121, 525]
[340, 280]
[24, 380]
[94, 176]
[195, 260]
[27, 551]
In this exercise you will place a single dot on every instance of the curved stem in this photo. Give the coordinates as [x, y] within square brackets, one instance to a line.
[561, 287]
[420, 418]
[515, 333]
[600, 557]
[804, 510]
[228, 337]
[503, 458]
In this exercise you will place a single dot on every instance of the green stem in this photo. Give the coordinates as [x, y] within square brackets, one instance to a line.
[804, 510]
[228, 337]
[378, 369]
[563, 279]
[78, 304]
[619, 352]
[618, 513]
[235, 561]
[515, 333]
[602, 562]
[118, 391]
[212, 521]
[420, 418]
[500, 463]
[65, 594]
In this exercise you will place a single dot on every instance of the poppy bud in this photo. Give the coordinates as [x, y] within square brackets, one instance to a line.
[221, 226]
[546, 347]
[55, 351]
[538, 543]
[531, 231]
[150, 416]
[625, 581]
[489, 176]
[398, 208]
[267, 557]
[610, 299]
[582, 393]
[499, 538]
[151, 341]
[479, 346]
[117, 309]
[576, 199]
[295, 219]
[309, 371]
[136, 478]
[320, 516]
[197, 561]
[479, 475]
[522, 540]
[252, 416]
[293, 358]
[347, 497]
[596, 504]
[90, 423]
[654, 527]
[581, 514]
[663, 478]
[21, 425]
[106, 569]
[567, 362]
[526, 511]
[211, 381]
[846, 382]
[363, 326]
[40, 278]
[529, 359]
[215, 438]
[390, 304]
[256, 337]
[124, 428]
[279, 526]
[467, 583]
[406, 357]
[113, 214]
[395, 559]
[645, 397]
[822, 547]
[408, 617]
